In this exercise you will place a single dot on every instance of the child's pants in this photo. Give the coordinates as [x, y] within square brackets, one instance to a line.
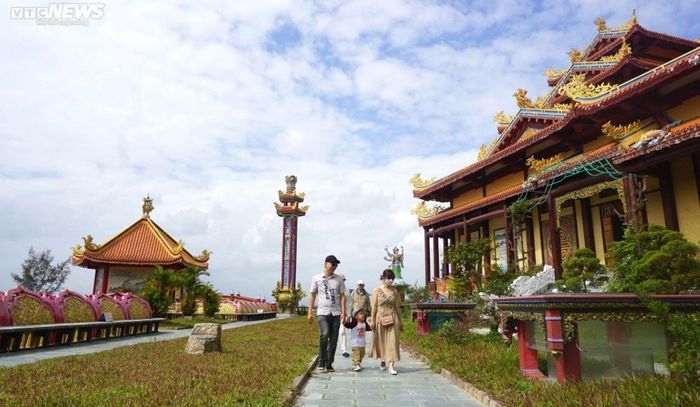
[357, 354]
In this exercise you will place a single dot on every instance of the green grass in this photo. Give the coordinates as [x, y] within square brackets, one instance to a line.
[256, 368]
[182, 323]
[492, 366]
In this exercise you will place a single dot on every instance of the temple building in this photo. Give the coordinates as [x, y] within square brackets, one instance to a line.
[615, 141]
[124, 262]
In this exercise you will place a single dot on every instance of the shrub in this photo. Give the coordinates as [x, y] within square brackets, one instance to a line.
[654, 260]
[581, 272]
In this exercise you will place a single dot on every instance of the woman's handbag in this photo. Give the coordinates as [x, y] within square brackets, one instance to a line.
[387, 320]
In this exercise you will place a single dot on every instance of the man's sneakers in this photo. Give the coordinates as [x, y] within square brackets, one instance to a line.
[321, 366]
[345, 354]
[357, 368]
[329, 369]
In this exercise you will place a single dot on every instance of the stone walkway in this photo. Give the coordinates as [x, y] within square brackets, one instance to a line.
[415, 385]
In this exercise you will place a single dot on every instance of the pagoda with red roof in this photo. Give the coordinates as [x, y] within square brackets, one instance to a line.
[615, 141]
[124, 262]
[287, 293]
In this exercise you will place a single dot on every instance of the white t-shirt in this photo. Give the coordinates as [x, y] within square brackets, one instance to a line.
[357, 335]
[328, 291]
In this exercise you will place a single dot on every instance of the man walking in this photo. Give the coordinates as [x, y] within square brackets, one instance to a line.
[330, 290]
[360, 299]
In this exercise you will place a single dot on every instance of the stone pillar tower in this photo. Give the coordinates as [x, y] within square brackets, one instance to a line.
[287, 293]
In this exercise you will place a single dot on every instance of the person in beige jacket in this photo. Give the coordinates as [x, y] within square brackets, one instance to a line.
[386, 323]
[360, 300]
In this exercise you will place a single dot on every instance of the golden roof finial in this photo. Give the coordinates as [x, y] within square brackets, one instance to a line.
[147, 205]
[600, 23]
[634, 16]
[291, 181]
[522, 100]
[574, 55]
[420, 183]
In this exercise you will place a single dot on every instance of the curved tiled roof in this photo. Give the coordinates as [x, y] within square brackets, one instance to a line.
[142, 243]
[589, 108]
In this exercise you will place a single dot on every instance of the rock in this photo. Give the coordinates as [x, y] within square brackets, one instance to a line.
[204, 338]
[537, 284]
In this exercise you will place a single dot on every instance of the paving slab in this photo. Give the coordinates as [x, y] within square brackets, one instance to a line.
[415, 385]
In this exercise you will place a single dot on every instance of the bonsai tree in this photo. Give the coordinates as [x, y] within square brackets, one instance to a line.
[582, 272]
[466, 259]
[654, 260]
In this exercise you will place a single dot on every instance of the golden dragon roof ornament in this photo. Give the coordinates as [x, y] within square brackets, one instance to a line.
[602, 26]
[420, 183]
[539, 165]
[204, 256]
[484, 150]
[618, 132]
[577, 88]
[423, 211]
[501, 118]
[574, 55]
[89, 244]
[624, 50]
[525, 102]
[551, 73]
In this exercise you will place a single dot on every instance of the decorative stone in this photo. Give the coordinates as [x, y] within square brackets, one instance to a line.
[204, 338]
[535, 285]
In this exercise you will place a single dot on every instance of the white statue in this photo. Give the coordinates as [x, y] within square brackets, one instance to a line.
[396, 259]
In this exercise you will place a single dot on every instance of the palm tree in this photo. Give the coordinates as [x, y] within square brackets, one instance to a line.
[188, 280]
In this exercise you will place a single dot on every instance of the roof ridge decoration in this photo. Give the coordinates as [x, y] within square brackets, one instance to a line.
[577, 89]
[624, 51]
[602, 27]
[619, 132]
[423, 211]
[90, 245]
[539, 165]
[204, 257]
[420, 183]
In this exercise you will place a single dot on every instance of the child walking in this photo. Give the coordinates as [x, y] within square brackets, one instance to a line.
[357, 327]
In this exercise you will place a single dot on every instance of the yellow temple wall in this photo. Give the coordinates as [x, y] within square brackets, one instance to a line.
[505, 182]
[598, 233]
[597, 221]
[597, 143]
[539, 257]
[686, 110]
[686, 195]
[580, 239]
[654, 208]
[496, 223]
[468, 197]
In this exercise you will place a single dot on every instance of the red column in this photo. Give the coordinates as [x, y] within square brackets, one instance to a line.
[567, 355]
[436, 257]
[528, 357]
[426, 246]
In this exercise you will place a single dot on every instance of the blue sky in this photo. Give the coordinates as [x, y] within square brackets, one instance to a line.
[207, 106]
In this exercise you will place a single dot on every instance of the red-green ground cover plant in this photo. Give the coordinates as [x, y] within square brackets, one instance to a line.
[256, 368]
[492, 366]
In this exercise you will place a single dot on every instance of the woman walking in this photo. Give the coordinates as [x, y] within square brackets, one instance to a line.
[386, 323]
